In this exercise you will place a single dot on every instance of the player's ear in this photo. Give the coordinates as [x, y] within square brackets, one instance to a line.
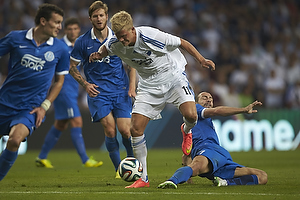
[43, 21]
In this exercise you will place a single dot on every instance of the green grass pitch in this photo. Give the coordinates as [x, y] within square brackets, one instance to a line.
[69, 180]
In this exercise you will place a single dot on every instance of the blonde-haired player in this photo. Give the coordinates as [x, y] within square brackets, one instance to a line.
[161, 68]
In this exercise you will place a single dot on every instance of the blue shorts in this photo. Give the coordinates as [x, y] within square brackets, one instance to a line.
[66, 107]
[24, 117]
[119, 104]
[221, 160]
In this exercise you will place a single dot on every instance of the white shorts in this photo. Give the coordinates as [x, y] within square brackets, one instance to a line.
[150, 101]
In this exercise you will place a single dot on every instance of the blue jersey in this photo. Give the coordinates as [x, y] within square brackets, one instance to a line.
[109, 73]
[31, 69]
[204, 130]
[206, 143]
[71, 86]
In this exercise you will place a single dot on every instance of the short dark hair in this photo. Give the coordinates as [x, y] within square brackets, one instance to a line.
[71, 21]
[97, 5]
[45, 10]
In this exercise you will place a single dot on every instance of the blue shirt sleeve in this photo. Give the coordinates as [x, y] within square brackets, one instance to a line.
[5, 44]
[64, 61]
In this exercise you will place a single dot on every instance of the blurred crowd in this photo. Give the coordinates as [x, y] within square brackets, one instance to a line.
[254, 43]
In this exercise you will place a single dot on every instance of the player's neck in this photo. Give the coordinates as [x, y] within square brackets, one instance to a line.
[101, 34]
[39, 37]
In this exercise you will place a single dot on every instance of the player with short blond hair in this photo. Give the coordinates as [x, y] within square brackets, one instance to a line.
[161, 68]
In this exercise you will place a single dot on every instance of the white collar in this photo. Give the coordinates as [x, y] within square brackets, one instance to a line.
[29, 36]
[67, 41]
[93, 36]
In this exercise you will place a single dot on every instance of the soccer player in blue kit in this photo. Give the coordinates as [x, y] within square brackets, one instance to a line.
[26, 94]
[67, 110]
[208, 159]
[107, 84]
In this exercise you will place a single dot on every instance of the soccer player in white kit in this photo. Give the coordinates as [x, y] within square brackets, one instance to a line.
[162, 79]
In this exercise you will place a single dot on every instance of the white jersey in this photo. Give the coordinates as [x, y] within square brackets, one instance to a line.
[155, 56]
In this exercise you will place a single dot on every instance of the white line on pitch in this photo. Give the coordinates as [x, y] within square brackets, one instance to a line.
[146, 193]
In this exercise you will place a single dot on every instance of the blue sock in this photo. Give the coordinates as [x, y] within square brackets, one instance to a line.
[78, 142]
[128, 147]
[112, 146]
[243, 180]
[49, 142]
[7, 159]
[181, 175]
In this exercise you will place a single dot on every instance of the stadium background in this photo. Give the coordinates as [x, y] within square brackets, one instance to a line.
[254, 43]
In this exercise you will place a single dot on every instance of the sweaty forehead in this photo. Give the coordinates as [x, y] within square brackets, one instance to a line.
[205, 95]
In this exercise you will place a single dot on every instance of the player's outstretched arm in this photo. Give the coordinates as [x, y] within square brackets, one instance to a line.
[250, 109]
[227, 111]
[187, 46]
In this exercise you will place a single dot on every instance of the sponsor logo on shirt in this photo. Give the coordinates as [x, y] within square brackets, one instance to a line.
[32, 62]
[106, 60]
[146, 61]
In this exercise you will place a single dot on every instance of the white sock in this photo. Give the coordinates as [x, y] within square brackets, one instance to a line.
[140, 152]
[187, 128]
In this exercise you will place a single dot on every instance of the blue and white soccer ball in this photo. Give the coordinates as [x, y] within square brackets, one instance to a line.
[130, 169]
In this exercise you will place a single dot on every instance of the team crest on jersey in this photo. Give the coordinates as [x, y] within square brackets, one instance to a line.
[49, 56]
[32, 62]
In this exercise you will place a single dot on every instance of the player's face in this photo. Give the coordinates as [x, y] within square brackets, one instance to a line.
[53, 26]
[99, 19]
[205, 99]
[72, 31]
[127, 37]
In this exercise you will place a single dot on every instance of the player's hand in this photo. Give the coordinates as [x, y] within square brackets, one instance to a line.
[91, 90]
[208, 64]
[40, 114]
[94, 56]
[250, 109]
[131, 93]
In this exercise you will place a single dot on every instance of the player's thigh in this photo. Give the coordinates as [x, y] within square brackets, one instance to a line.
[138, 124]
[109, 125]
[188, 110]
[123, 125]
[148, 104]
[261, 175]
[182, 96]
[200, 165]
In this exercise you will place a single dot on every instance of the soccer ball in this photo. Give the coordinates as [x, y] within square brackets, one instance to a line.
[130, 169]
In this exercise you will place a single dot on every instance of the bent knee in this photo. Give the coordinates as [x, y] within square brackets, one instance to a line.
[14, 142]
[192, 118]
[125, 133]
[262, 178]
